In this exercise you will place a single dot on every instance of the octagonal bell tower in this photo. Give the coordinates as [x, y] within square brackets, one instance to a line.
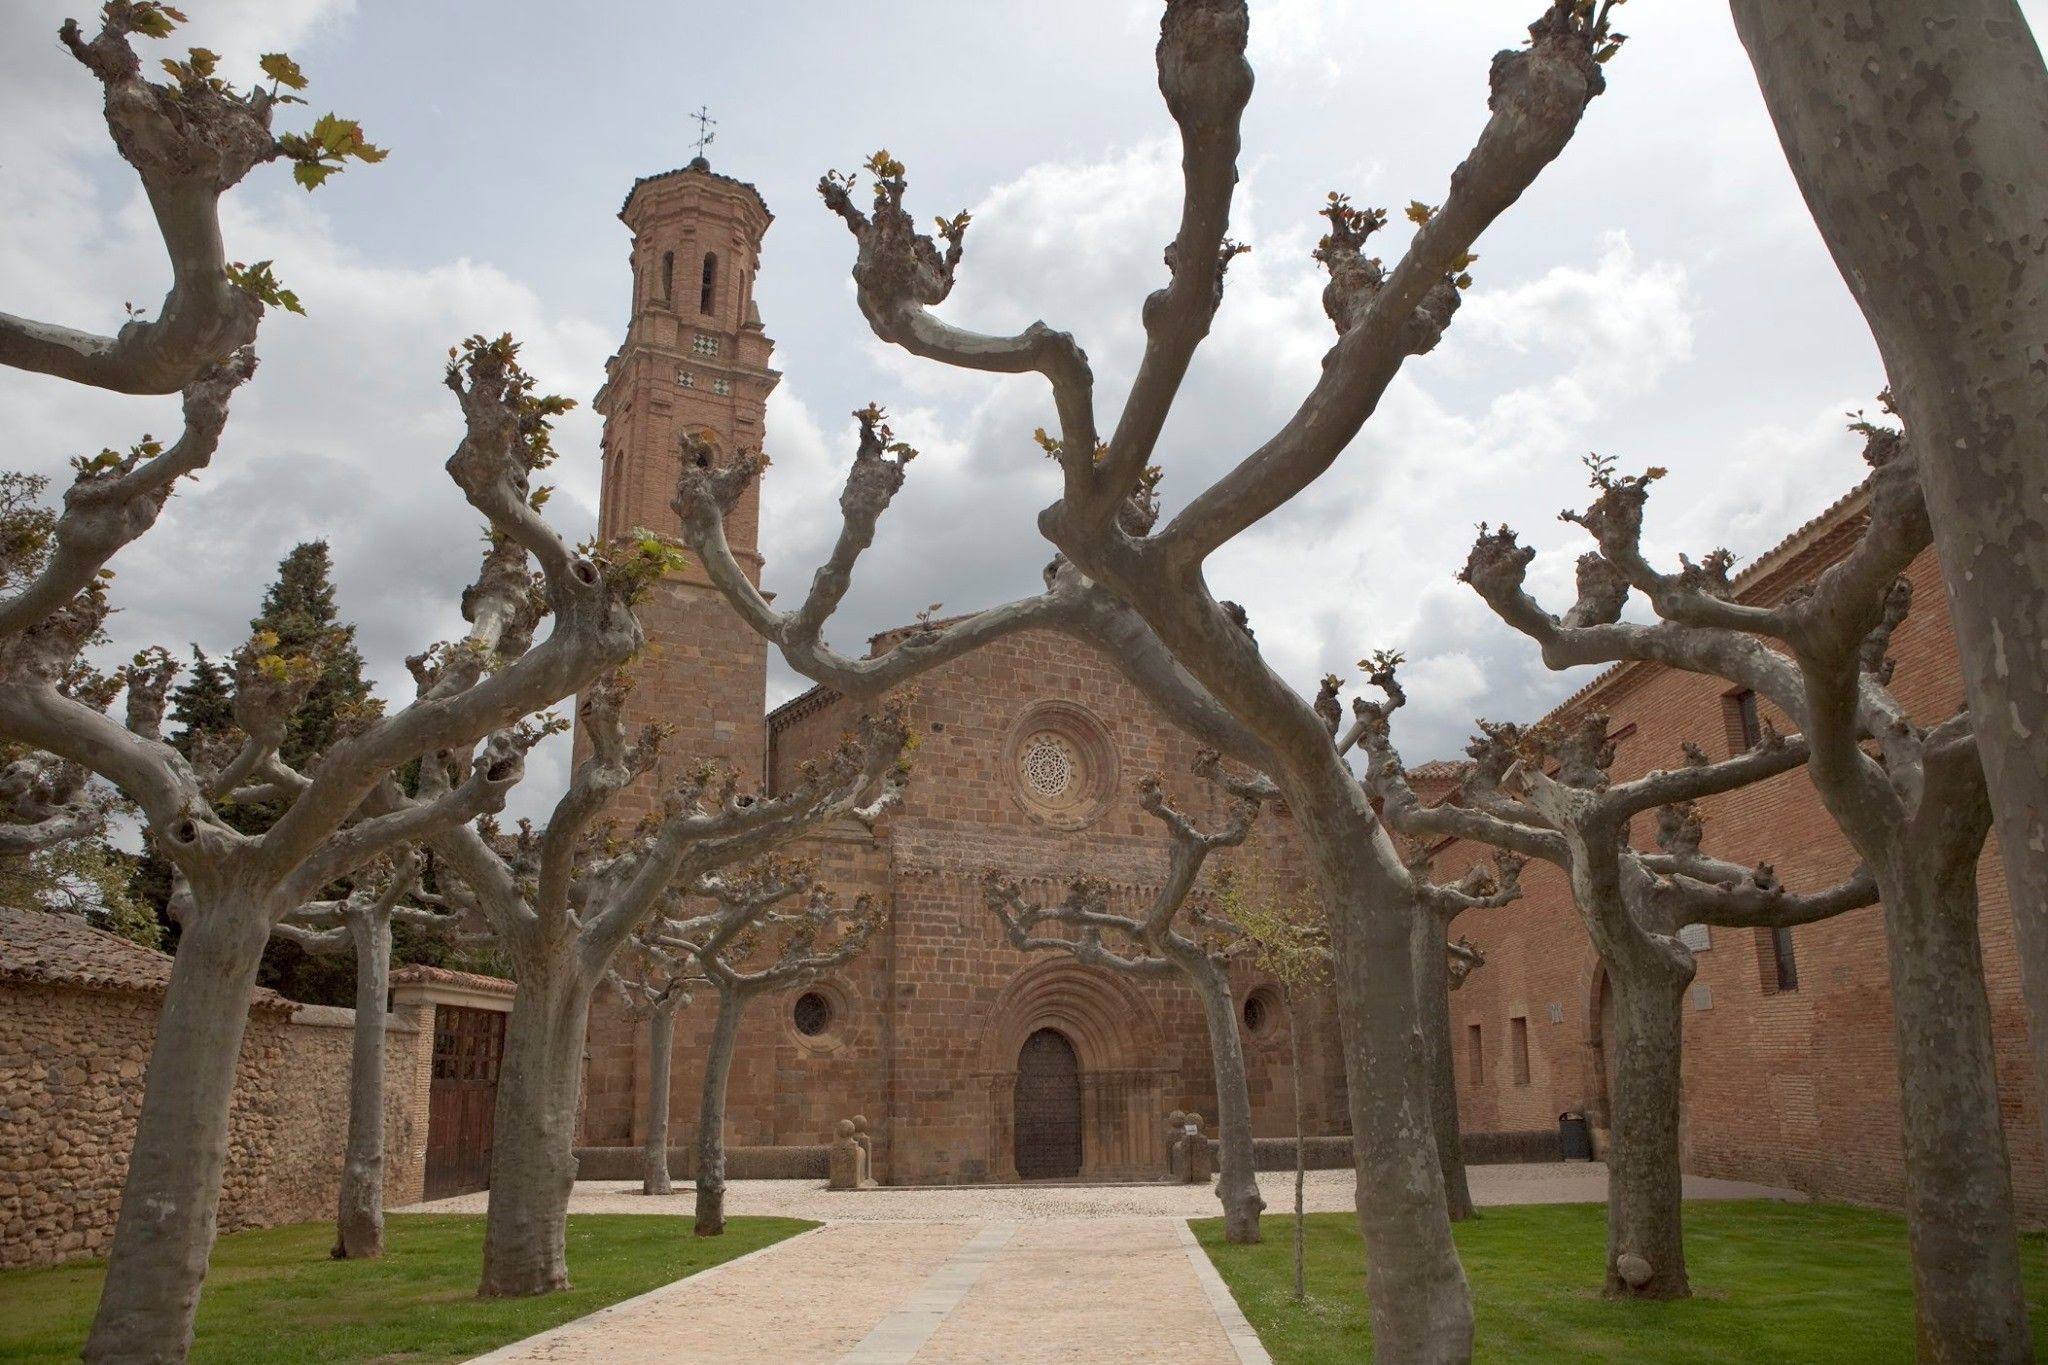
[695, 359]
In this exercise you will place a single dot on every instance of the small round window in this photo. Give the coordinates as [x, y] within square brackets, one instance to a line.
[812, 1014]
[1260, 1011]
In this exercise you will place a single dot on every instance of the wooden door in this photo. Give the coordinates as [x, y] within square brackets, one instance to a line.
[463, 1099]
[1048, 1108]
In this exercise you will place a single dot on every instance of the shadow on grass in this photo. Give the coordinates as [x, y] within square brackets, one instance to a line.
[274, 1295]
[1772, 1282]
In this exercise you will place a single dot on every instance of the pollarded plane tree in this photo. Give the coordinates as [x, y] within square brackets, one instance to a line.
[563, 900]
[1289, 941]
[1914, 130]
[1910, 798]
[744, 948]
[335, 818]
[359, 923]
[1182, 932]
[190, 141]
[651, 987]
[1544, 792]
[45, 801]
[1136, 587]
[1441, 967]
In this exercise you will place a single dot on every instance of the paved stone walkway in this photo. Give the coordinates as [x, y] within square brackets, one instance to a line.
[1013, 1274]
[1565, 1182]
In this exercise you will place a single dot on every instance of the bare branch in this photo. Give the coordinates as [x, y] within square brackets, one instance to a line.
[706, 492]
[115, 498]
[1538, 96]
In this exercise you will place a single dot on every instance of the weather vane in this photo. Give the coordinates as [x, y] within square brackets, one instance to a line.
[705, 123]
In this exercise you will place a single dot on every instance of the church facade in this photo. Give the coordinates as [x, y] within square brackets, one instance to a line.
[970, 1060]
[974, 1062]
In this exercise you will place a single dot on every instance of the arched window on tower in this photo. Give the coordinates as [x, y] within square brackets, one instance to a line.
[707, 296]
[668, 276]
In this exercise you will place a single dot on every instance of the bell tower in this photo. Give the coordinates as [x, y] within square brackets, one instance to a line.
[695, 359]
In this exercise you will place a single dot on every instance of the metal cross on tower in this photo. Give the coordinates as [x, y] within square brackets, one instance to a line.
[705, 123]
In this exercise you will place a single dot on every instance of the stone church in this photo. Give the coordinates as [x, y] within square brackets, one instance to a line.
[974, 1062]
[971, 1061]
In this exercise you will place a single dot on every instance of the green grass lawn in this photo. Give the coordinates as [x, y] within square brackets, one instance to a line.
[1804, 1283]
[274, 1295]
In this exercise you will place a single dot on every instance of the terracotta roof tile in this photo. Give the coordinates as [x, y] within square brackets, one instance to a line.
[63, 950]
[443, 976]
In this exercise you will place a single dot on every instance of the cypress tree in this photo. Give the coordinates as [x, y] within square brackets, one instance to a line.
[299, 609]
[204, 704]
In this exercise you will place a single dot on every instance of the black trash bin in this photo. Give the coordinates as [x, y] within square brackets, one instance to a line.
[1574, 1139]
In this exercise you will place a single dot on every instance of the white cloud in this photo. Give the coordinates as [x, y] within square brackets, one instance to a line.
[1676, 311]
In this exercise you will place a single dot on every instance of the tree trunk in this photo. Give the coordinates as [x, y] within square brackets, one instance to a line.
[169, 1200]
[1969, 1301]
[1645, 1185]
[661, 1045]
[1916, 132]
[1300, 1157]
[359, 1224]
[1433, 995]
[1237, 1180]
[711, 1119]
[533, 1160]
[1421, 1304]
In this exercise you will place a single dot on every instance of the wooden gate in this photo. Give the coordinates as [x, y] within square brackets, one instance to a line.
[1048, 1108]
[463, 1099]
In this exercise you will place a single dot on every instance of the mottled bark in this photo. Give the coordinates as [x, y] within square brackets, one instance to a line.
[359, 1222]
[1421, 1305]
[360, 924]
[156, 1263]
[661, 1047]
[1433, 1019]
[533, 1159]
[725, 1034]
[1237, 1180]
[1916, 131]
[1300, 1157]
[1645, 1184]
[1968, 1293]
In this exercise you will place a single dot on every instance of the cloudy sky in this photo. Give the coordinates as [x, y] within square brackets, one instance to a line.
[1660, 296]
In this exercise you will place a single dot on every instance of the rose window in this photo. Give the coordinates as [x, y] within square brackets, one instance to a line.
[1061, 765]
[1048, 768]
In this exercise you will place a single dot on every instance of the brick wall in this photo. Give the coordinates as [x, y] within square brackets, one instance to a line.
[929, 1020]
[1796, 1088]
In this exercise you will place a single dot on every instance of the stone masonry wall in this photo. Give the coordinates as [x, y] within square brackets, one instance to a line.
[72, 1068]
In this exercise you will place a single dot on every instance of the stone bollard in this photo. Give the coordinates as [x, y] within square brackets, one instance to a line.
[1200, 1169]
[847, 1159]
[867, 1151]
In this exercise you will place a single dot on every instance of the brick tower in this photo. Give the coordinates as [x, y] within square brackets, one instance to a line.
[694, 359]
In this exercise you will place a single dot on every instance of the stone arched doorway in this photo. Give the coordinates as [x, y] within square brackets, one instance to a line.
[1048, 1108]
[1112, 1040]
